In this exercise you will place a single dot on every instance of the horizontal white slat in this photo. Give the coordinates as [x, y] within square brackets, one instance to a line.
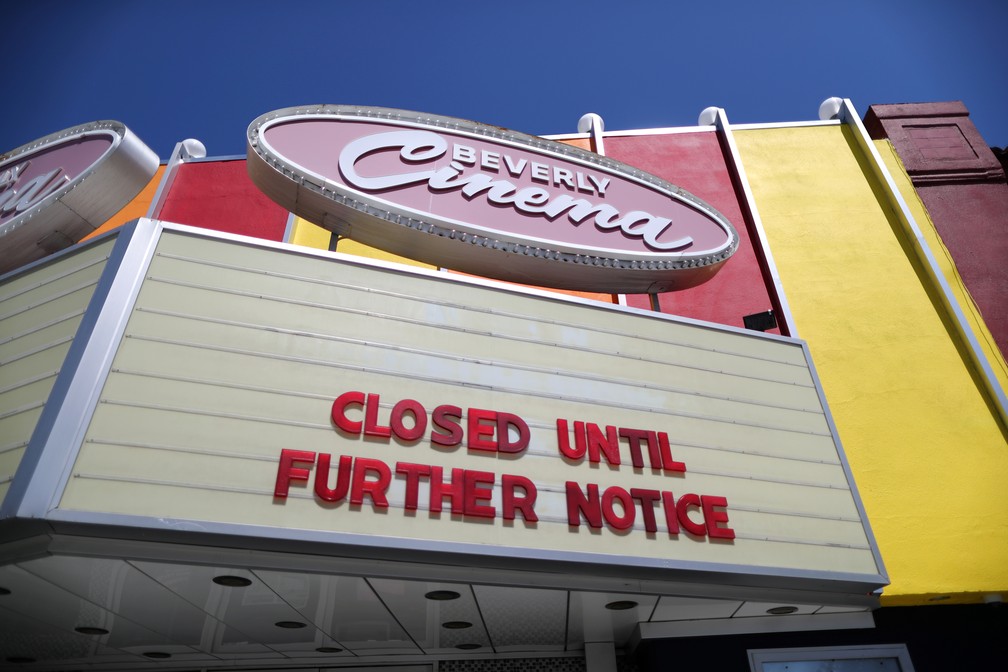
[40, 311]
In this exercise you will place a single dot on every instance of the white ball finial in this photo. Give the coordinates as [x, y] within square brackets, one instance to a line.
[193, 148]
[830, 109]
[585, 123]
[708, 117]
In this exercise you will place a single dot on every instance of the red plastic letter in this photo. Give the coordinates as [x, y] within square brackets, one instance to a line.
[682, 511]
[286, 471]
[339, 411]
[714, 517]
[413, 472]
[600, 444]
[668, 463]
[504, 421]
[477, 496]
[419, 420]
[477, 430]
[654, 454]
[671, 517]
[322, 488]
[375, 489]
[620, 522]
[446, 418]
[563, 439]
[371, 426]
[647, 499]
[633, 437]
[439, 490]
[580, 505]
[511, 502]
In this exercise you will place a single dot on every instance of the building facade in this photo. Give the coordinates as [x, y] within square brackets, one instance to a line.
[234, 438]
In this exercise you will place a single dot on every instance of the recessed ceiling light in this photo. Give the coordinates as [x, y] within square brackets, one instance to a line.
[621, 605]
[442, 595]
[232, 581]
[456, 625]
[157, 654]
[292, 625]
[328, 649]
[467, 647]
[89, 630]
[777, 611]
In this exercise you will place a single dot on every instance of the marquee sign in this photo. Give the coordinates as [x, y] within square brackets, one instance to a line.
[56, 190]
[484, 200]
[274, 392]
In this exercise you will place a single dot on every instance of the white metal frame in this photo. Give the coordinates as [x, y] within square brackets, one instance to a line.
[758, 657]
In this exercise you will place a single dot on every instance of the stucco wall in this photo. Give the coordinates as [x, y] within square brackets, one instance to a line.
[929, 456]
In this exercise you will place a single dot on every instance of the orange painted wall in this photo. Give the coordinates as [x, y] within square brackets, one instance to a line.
[134, 209]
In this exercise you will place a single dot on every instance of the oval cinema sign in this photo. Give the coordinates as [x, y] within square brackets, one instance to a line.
[487, 201]
[61, 187]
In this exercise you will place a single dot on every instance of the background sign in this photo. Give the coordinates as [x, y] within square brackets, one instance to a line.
[481, 199]
[56, 190]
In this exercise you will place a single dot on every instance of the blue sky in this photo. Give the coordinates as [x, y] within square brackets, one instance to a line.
[179, 69]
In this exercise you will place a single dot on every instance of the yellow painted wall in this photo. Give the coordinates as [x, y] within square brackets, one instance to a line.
[929, 457]
[311, 235]
[305, 233]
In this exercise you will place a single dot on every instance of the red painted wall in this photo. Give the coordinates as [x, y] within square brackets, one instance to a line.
[219, 195]
[696, 162]
[972, 222]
